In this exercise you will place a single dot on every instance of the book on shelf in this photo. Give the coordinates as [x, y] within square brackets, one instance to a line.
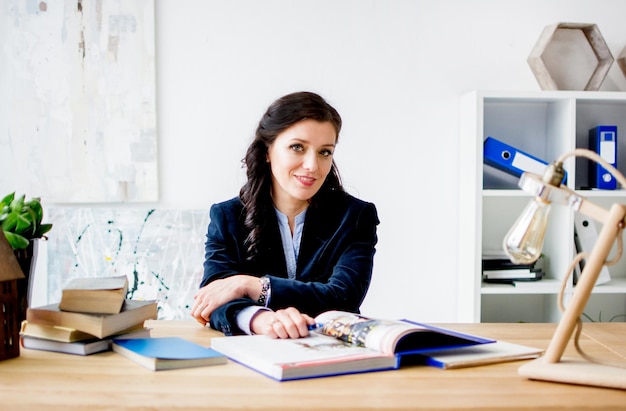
[497, 267]
[477, 355]
[166, 353]
[504, 263]
[512, 274]
[344, 343]
[82, 347]
[99, 295]
[133, 313]
[498, 260]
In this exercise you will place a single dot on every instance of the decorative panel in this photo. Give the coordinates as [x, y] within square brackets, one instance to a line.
[161, 252]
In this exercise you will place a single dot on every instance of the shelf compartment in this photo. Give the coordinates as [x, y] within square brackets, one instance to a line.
[546, 124]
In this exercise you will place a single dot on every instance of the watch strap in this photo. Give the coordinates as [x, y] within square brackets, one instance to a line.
[265, 291]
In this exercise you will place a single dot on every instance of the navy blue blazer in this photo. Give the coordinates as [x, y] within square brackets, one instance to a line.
[334, 266]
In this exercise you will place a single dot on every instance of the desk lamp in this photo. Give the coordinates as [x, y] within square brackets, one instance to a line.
[523, 244]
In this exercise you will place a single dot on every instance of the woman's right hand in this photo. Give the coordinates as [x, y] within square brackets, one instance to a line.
[220, 292]
[285, 323]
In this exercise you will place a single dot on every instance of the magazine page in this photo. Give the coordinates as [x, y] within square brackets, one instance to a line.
[380, 335]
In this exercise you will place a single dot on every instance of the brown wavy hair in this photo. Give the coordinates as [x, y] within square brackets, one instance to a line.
[255, 194]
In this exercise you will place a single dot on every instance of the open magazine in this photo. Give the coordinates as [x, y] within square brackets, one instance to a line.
[391, 337]
[344, 343]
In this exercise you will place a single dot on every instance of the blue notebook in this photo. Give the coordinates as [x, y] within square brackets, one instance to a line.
[167, 353]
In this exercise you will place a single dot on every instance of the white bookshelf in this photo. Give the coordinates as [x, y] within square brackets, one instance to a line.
[546, 124]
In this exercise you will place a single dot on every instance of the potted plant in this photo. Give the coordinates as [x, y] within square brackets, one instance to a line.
[21, 222]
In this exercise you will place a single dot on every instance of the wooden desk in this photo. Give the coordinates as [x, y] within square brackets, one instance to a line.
[44, 380]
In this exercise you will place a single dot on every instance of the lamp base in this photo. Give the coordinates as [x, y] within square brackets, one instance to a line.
[575, 371]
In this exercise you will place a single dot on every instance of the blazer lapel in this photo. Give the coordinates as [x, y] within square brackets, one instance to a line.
[313, 238]
[275, 262]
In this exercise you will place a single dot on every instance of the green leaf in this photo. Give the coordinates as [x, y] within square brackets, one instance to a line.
[4, 212]
[10, 222]
[16, 241]
[8, 199]
[17, 204]
[35, 205]
[24, 223]
[43, 229]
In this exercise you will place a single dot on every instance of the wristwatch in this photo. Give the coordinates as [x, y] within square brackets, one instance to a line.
[264, 297]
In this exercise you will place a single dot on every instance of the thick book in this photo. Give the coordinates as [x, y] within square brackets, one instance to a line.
[483, 354]
[99, 295]
[344, 343]
[54, 332]
[83, 347]
[66, 334]
[134, 312]
[167, 353]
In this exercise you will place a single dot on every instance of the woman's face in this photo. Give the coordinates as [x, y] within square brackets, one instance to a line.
[300, 159]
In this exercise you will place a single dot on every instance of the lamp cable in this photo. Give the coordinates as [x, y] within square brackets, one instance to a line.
[581, 152]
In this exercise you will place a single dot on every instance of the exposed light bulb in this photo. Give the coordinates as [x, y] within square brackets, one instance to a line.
[524, 241]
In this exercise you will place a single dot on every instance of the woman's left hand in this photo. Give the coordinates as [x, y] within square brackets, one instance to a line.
[285, 323]
[218, 293]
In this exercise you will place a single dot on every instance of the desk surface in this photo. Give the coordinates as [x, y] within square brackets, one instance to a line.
[46, 380]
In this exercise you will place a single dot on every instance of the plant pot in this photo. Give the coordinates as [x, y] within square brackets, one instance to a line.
[26, 259]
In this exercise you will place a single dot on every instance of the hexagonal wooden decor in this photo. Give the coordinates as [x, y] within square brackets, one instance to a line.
[570, 56]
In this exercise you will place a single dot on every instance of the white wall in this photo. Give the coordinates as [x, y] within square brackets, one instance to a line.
[393, 68]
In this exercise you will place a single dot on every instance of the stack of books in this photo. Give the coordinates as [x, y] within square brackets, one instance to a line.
[92, 312]
[498, 268]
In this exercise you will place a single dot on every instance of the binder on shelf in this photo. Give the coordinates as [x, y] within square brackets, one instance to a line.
[585, 236]
[512, 160]
[603, 140]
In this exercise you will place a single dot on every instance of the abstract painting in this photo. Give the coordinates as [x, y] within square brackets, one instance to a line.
[160, 251]
[78, 87]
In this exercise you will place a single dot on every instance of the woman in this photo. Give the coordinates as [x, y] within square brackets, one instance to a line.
[294, 243]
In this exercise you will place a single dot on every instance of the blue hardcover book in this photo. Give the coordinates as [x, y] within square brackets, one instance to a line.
[166, 353]
[603, 140]
[512, 160]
